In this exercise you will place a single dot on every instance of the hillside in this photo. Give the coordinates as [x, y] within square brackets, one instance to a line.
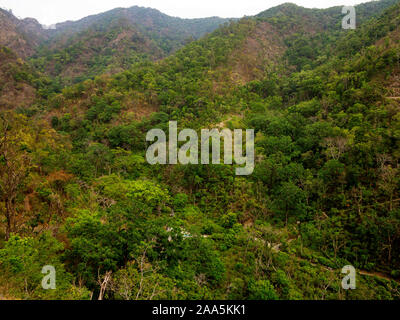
[324, 104]
[204, 73]
[20, 84]
[151, 21]
[21, 36]
[116, 40]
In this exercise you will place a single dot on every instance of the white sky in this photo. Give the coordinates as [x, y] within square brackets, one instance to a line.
[52, 11]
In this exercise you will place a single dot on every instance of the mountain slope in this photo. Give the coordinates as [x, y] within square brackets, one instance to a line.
[15, 87]
[22, 36]
[109, 42]
[115, 40]
[265, 48]
[160, 27]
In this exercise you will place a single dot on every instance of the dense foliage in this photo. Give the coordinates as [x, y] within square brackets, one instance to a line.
[77, 193]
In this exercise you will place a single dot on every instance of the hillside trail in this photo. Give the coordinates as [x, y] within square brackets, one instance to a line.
[379, 275]
[375, 274]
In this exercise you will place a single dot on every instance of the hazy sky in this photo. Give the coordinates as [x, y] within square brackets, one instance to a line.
[53, 11]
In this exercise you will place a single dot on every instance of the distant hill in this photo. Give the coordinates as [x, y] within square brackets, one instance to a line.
[157, 25]
[76, 191]
[16, 88]
[330, 15]
[256, 49]
[22, 36]
[115, 40]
